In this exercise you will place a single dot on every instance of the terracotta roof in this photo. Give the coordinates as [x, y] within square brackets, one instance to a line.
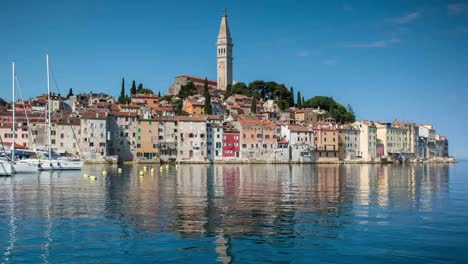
[196, 78]
[93, 115]
[195, 102]
[134, 106]
[17, 146]
[141, 95]
[165, 118]
[191, 118]
[255, 122]
[214, 117]
[324, 128]
[123, 114]
[297, 128]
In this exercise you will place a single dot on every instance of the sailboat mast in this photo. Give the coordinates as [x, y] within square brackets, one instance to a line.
[14, 111]
[48, 109]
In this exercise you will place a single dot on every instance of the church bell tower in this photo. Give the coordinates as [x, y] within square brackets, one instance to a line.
[224, 54]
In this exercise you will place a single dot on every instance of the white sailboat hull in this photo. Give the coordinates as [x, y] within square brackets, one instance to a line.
[5, 168]
[24, 167]
[60, 164]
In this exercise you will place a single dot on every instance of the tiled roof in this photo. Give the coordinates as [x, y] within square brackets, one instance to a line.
[191, 118]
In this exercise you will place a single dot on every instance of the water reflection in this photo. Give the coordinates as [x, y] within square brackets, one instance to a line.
[214, 212]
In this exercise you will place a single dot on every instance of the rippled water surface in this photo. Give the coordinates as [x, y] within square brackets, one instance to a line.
[238, 214]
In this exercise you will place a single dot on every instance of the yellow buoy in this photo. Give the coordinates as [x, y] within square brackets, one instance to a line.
[119, 170]
[85, 175]
[92, 177]
[144, 168]
[104, 173]
[141, 173]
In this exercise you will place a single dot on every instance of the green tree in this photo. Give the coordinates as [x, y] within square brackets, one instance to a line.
[121, 99]
[133, 90]
[291, 97]
[206, 93]
[228, 91]
[253, 106]
[187, 90]
[70, 93]
[299, 100]
[179, 111]
[340, 113]
[145, 91]
[140, 88]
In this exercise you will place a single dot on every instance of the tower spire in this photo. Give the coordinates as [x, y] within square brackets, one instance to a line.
[224, 27]
[224, 54]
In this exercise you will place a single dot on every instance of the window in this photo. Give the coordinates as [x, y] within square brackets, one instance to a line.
[139, 138]
[139, 130]
[244, 145]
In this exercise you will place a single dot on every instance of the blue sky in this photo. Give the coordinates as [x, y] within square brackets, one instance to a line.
[388, 59]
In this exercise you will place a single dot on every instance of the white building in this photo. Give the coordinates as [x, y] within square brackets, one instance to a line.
[301, 142]
[122, 127]
[93, 136]
[214, 141]
[191, 139]
[367, 140]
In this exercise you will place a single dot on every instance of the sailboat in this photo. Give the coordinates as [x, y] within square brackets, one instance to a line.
[62, 163]
[18, 166]
[5, 168]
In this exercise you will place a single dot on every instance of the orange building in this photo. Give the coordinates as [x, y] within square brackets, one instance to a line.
[326, 141]
[258, 138]
[150, 100]
[194, 106]
[147, 139]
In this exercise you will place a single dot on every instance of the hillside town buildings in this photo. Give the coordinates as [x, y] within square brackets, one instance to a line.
[95, 127]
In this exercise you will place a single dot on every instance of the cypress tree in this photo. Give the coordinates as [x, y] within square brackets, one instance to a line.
[140, 88]
[291, 97]
[253, 107]
[208, 107]
[122, 98]
[70, 93]
[133, 90]
[299, 100]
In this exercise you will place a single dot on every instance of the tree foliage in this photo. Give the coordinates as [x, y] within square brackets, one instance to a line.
[122, 98]
[133, 90]
[299, 100]
[70, 93]
[140, 88]
[187, 90]
[340, 113]
[253, 106]
[206, 93]
[262, 90]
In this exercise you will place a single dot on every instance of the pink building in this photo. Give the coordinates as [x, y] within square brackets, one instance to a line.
[231, 143]
[6, 134]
